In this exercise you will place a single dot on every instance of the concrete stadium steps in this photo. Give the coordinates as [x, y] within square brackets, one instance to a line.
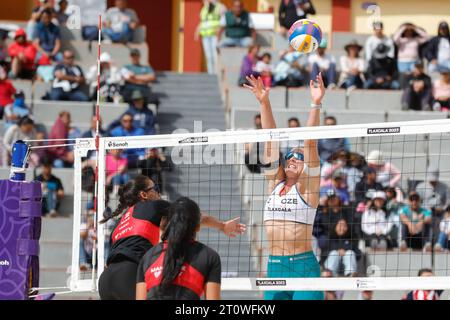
[375, 99]
[333, 100]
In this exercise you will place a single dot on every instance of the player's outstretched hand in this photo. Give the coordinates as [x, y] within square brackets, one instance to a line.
[317, 90]
[257, 87]
[233, 227]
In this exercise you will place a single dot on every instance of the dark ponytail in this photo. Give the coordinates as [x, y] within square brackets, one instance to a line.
[184, 217]
[129, 195]
[211, 7]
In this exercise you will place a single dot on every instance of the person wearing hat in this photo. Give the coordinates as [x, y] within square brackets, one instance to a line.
[143, 117]
[408, 39]
[382, 70]
[367, 186]
[417, 93]
[138, 77]
[16, 110]
[325, 63]
[110, 78]
[352, 67]
[338, 185]
[441, 91]
[434, 195]
[23, 56]
[387, 173]
[416, 222]
[374, 222]
[437, 51]
[374, 40]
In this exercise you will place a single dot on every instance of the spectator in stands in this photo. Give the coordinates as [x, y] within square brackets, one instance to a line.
[121, 22]
[441, 91]
[288, 145]
[265, 69]
[116, 168]
[143, 117]
[443, 241]
[59, 133]
[434, 193]
[3, 49]
[423, 294]
[89, 17]
[127, 129]
[416, 222]
[238, 26]
[208, 27]
[378, 38]
[320, 61]
[382, 70]
[87, 239]
[336, 162]
[327, 147]
[329, 213]
[69, 78]
[61, 15]
[374, 222]
[48, 38]
[249, 64]
[36, 16]
[52, 190]
[354, 171]
[366, 187]
[408, 39]
[23, 130]
[138, 77]
[417, 94]
[292, 10]
[110, 78]
[387, 173]
[337, 186]
[343, 249]
[438, 49]
[16, 110]
[23, 56]
[153, 166]
[393, 207]
[289, 70]
[7, 92]
[352, 67]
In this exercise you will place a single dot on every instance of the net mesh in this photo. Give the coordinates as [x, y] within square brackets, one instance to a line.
[354, 235]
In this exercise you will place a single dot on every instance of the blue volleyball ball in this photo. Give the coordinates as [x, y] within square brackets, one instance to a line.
[305, 35]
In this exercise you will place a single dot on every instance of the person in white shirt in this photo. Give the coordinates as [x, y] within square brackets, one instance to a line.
[378, 37]
[374, 223]
[352, 67]
[265, 69]
[110, 78]
[121, 22]
[321, 62]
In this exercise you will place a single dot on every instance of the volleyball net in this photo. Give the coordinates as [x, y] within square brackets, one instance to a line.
[370, 233]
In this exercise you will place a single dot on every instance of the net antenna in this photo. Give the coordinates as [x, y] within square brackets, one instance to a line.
[97, 144]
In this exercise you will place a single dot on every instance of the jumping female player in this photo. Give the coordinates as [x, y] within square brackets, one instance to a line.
[180, 268]
[294, 196]
[137, 232]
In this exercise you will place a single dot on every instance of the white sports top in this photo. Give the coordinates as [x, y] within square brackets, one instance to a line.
[288, 207]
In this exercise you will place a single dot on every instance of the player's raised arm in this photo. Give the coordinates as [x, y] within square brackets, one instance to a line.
[311, 172]
[271, 148]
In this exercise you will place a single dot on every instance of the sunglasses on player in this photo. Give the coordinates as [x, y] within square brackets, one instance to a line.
[296, 155]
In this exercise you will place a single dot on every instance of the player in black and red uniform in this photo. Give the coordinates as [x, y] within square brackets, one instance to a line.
[180, 268]
[137, 232]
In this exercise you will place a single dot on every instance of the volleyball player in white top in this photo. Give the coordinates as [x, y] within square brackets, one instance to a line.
[294, 196]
